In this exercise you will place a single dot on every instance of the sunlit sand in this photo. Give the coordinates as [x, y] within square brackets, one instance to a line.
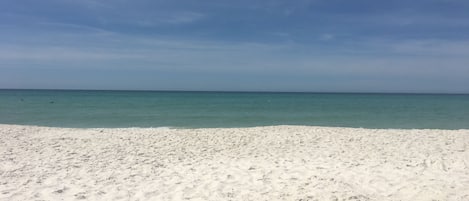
[260, 163]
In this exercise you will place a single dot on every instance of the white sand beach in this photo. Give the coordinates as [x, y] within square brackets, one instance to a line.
[261, 163]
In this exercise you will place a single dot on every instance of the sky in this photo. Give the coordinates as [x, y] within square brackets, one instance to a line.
[243, 45]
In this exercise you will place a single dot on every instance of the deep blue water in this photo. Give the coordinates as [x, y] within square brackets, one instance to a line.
[68, 108]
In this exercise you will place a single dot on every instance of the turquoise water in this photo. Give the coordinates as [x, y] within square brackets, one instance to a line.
[87, 109]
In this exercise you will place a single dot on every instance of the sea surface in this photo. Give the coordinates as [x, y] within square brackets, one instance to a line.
[91, 109]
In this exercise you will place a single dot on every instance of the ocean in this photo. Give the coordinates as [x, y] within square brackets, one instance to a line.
[111, 109]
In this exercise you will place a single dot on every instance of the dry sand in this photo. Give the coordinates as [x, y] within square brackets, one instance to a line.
[262, 163]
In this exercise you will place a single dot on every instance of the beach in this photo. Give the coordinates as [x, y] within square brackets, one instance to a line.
[257, 163]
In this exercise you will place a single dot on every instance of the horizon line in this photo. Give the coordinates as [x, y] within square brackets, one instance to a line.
[241, 91]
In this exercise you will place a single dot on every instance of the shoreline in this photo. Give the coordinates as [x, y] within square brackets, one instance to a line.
[252, 163]
[246, 127]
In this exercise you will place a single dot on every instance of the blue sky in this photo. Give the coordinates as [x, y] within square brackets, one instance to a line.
[316, 45]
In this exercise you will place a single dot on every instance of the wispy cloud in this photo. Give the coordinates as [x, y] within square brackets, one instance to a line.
[384, 58]
[418, 48]
[433, 48]
[173, 18]
[91, 4]
[326, 37]
[63, 28]
[145, 52]
[302, 41]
